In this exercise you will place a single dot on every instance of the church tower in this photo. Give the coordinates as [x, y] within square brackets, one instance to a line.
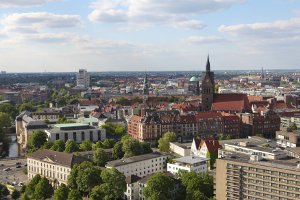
[208, 86]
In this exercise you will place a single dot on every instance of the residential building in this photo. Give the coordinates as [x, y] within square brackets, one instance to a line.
[206, 148]
[77, 132]
[287, 138]
[133, 190]
[188, 163]
[141, 165]
[83, 79]
[53, 165]
[240, 176]
[49, 114]
[12, 97]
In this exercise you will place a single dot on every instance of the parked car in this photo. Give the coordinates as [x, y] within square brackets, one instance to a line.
[18, 166]
[7, 169]
[18, 163]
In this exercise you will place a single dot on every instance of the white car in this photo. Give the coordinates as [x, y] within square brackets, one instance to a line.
[7, 169]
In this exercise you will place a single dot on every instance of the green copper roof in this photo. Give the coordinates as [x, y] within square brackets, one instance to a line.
[194, 78]
[70, 125]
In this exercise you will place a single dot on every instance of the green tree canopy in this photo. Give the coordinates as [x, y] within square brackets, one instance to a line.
[86, 145]
[71, 146]
[61, 192]
[117, 151]
[100, 157]
[114, 184]
[5, 120]
[74, 195]
[164, 141]
[59, 145]
[43, 190]
[159, 187]
[9, 109]
[97, 193]
[3, 191]
[48, 144]
[15, 194]
[37, 139]
[31, 185]
[131, 147]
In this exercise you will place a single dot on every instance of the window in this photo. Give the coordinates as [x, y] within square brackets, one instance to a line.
[82, 136]
[74, 136]
[56, 136]
[66, 137]
[91, 136]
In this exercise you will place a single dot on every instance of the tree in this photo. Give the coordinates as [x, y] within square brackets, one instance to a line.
[9, 109]
[100, 157]
[97, 193]
[25, 197]
[114, 184]
[37, 139]
[5, 120]
[86, 145]
[59, 145]
[3, 191]
[71, 146]
[197, 184]
[293, 127]
[61, 192]
[74, 195]
[31, 185]
[84, 177]
[159, 187]
[15, 194]
[28, 106]
[120, 130]
[164, 142]
[131, 147]
[117, 151]
[48, 144]
[145, 148]
[43, 190]
[108, 143]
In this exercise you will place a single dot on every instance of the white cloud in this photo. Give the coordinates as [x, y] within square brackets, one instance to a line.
[182, 14]
[41, 19]
[204, 39]
[23, 3]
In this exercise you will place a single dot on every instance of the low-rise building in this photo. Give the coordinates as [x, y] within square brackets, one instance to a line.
[55, 166]
[141, 165]
[132, 192]
[77, 132]
[188, 163]
[50, 115]
[182, 149]
[286, 138]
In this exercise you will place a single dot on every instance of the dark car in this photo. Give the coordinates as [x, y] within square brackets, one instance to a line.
[18, 163]
[18, 166]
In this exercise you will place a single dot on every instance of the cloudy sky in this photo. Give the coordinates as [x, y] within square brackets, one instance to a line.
[146, 35]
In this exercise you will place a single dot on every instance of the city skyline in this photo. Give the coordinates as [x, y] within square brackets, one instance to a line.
[149, 35]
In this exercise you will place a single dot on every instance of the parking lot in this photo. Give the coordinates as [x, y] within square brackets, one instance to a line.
[13, 175]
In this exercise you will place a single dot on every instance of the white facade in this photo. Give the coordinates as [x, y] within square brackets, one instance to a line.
[188, 163]
[182, 149]
[77, 132]
[83, 78]
[141, 166]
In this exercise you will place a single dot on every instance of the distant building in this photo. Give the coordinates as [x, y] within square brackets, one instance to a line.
[287, 138]
[182, 149]
[25, 126]
[188, 163]
[53, 165]
[12, 97]
[141, 165]
[83, 79]
[77, 132]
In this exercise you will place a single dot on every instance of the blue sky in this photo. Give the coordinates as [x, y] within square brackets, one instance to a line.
[121, 35]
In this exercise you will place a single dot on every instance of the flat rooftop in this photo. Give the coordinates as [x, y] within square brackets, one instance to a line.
[183, 145]
[286, 163]
[190, 159]
[134, 159]
[70, 126]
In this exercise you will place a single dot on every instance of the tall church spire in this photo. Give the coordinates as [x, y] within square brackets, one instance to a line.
[146, 85]
[207, 64]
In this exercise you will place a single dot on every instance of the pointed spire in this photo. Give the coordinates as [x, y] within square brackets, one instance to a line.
[207, 64]
[146, 85]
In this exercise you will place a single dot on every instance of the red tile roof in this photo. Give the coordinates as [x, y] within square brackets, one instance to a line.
[212, 145]
[231, 102]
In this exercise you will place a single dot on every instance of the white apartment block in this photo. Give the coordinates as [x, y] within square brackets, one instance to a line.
[182, 149]
[77, 132]
[133, 189]
[55, 166]
[141, 165]
[83, 78]
[188, 163]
